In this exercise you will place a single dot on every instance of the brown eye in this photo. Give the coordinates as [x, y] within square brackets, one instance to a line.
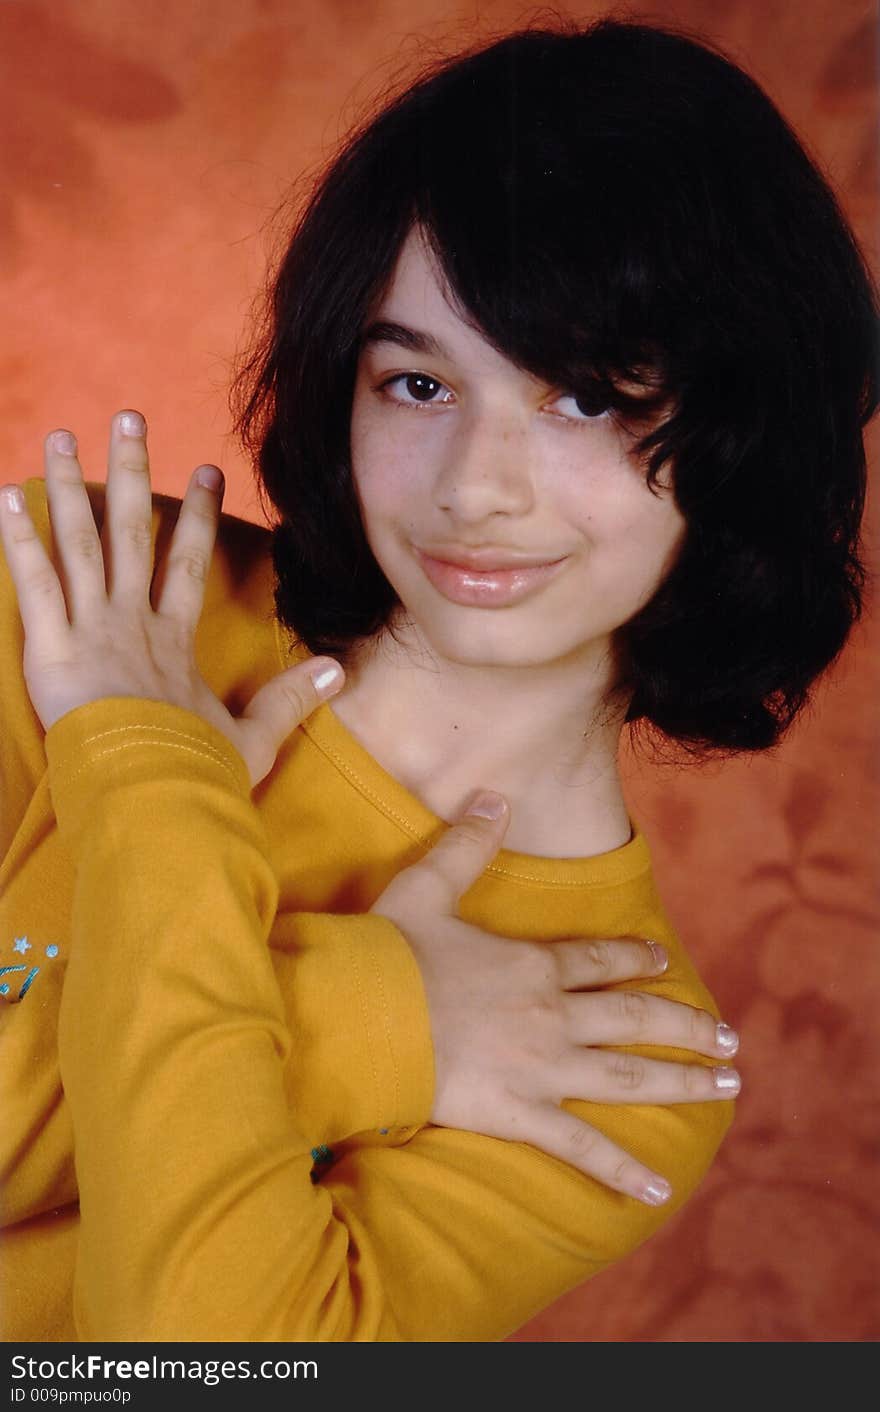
[415, 389]
[422, 388]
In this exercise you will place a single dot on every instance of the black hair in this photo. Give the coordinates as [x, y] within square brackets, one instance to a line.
[602, 200]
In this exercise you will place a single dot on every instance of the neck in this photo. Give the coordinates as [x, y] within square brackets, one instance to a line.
[544, 736]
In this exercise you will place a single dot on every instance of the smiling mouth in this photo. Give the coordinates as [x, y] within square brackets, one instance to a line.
[496, 582]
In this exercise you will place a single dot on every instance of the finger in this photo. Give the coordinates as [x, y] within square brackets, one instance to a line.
[463, 851]
[634, 1017]
[609, 1077]
[182, 595]
[74, 530]
[560, 1134]
[41, 602]
[127, 532]
[284, 702]
[581, 964]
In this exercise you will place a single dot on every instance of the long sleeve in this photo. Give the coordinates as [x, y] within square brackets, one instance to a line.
[342, 1078]
[360, 959]
[199, 1215]
[361, 1055]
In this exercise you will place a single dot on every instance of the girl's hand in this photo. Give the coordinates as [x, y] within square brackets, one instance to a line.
[97, 635]
[518, 1026]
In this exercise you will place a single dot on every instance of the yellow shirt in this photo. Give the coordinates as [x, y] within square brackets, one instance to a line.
[245, 1057]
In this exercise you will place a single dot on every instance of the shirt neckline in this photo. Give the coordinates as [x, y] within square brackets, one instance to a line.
[418, 822]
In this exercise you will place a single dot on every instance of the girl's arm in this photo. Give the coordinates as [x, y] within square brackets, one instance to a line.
[199, 1217]
[36, 891]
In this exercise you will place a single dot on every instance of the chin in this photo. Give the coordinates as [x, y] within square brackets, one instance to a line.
[486, 655]
[495, 640]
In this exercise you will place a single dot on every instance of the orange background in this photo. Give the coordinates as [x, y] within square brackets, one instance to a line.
[146, 143]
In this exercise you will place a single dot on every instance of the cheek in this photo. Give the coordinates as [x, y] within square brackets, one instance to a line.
[633, 536]
[652, 540]
[607, 496]
[373, 461]
[388, 470]
[383, 483]
[653, 545]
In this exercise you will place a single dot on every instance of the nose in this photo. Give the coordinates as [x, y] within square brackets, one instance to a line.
[485, 472]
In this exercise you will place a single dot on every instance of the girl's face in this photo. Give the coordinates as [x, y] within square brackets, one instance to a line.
[516, 528]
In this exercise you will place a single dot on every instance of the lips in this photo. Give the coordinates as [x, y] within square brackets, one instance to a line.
[485, 578]
[486, 558]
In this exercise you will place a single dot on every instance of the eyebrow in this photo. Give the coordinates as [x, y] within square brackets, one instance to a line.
[409, 338]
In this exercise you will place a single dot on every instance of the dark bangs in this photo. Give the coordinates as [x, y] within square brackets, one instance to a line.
[547, 213]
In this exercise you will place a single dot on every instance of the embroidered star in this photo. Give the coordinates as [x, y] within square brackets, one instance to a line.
[21, 944]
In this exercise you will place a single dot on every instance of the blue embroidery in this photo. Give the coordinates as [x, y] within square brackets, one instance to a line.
[26, 987]
[4, 970]
[382, 1132]
[21, 945]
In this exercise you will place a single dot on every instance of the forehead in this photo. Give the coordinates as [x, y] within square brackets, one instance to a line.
[418, 311]
[416, 281]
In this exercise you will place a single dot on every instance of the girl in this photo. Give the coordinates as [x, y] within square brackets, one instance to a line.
[560, 410]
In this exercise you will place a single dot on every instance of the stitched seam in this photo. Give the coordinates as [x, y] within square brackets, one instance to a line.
[202, 752]
[343, 766]
[157, 730]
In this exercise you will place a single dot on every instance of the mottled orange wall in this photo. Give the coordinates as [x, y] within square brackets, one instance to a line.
[145, 143]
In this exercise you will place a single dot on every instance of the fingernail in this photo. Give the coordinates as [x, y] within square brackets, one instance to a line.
[326, 678]
[209, 477]
[487, 805]
[13, 499]
[727, 1080]
[64, 442]
[656, 1191]
[661, 959]
[726, 1039]
[132, 424]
